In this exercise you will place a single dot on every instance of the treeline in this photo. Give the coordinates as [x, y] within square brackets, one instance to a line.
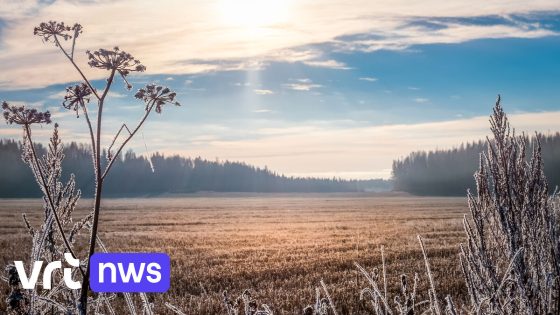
[134, 175]
[450, 172]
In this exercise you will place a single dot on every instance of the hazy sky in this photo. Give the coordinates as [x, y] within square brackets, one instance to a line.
[314, 88]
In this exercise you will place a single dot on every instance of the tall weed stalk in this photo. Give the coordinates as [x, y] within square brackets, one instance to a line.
[55, 237]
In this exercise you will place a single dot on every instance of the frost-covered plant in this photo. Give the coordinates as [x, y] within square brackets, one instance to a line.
[245, 305]
[57, 236]
[322, 305]
[511, 260]
[407, 302]
[50, 240]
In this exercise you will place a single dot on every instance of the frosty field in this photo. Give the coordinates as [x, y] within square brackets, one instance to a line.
[279, 246]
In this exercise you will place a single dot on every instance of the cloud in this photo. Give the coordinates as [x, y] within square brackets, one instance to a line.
[369, 79]
[332, 64]
[57, 96]
[14, 10]
[263, 92]
[451, 33]
[302, 85]
[262, 111]
[213, 40]
[421, 100]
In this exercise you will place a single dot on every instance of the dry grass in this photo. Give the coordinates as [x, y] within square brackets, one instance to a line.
[279, 246]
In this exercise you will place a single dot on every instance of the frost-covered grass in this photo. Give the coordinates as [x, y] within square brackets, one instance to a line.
[278, 246]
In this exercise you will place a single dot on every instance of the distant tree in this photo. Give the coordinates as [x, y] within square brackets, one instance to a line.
[450, 172]
[134, 176]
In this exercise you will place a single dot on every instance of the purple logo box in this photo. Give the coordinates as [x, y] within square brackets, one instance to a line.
[130, 272]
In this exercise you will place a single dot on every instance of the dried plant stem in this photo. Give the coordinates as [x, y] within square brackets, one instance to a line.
[384, 272]
[98, 193]
[331, 303]
[430, 277]
[174, 308]
[93, 146]
[123, 126]
[71, 59]
[48, 193]
[119, 150]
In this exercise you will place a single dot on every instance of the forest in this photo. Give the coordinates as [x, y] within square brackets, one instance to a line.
[450, 172]
[135, 175]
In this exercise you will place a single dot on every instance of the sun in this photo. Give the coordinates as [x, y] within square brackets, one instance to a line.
[253, 15]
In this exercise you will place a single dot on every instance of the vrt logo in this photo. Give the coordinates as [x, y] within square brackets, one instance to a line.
[109, 272]
[31, 281]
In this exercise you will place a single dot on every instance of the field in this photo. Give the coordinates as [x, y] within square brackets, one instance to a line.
[278, 246]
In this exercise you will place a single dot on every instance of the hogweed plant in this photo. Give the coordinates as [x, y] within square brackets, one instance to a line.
[57, 235]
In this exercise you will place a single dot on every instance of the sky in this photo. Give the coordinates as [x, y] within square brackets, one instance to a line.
[307, 88]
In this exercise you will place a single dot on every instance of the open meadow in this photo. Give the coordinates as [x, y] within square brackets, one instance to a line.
[279, 246]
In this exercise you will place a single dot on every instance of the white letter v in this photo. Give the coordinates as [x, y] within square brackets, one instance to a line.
[28, 283]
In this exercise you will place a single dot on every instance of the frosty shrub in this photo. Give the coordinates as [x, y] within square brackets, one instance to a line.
[511, 260]
[511, 257]
[57, 234]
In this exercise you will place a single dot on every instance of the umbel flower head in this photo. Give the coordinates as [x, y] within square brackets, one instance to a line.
[48, 30]
[76, 96]
[156, 95]
[117, 60]
[20, 115]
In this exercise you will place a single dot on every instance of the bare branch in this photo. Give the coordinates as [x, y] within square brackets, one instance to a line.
[140, 123]
[71, 59]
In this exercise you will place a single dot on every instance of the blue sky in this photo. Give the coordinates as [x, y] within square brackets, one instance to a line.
[315, 91]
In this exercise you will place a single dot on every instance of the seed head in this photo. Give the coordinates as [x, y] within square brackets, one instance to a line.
[76, 96]
[50, 29]
[117, 60]
[156, 95]
[20, 115]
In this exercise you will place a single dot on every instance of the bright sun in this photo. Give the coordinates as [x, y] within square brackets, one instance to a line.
[252, 15]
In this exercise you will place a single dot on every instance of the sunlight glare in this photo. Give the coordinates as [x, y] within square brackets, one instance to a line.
[253, 15]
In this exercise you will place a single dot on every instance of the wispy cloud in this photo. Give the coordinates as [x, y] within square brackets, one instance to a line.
[262, 111]
[263, 92]
[212, 42]
[369, 79]
[302, 85]
[421, 100]
[332, 64]
[450, 33]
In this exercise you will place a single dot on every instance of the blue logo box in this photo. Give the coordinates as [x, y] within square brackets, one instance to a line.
[130, 272]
